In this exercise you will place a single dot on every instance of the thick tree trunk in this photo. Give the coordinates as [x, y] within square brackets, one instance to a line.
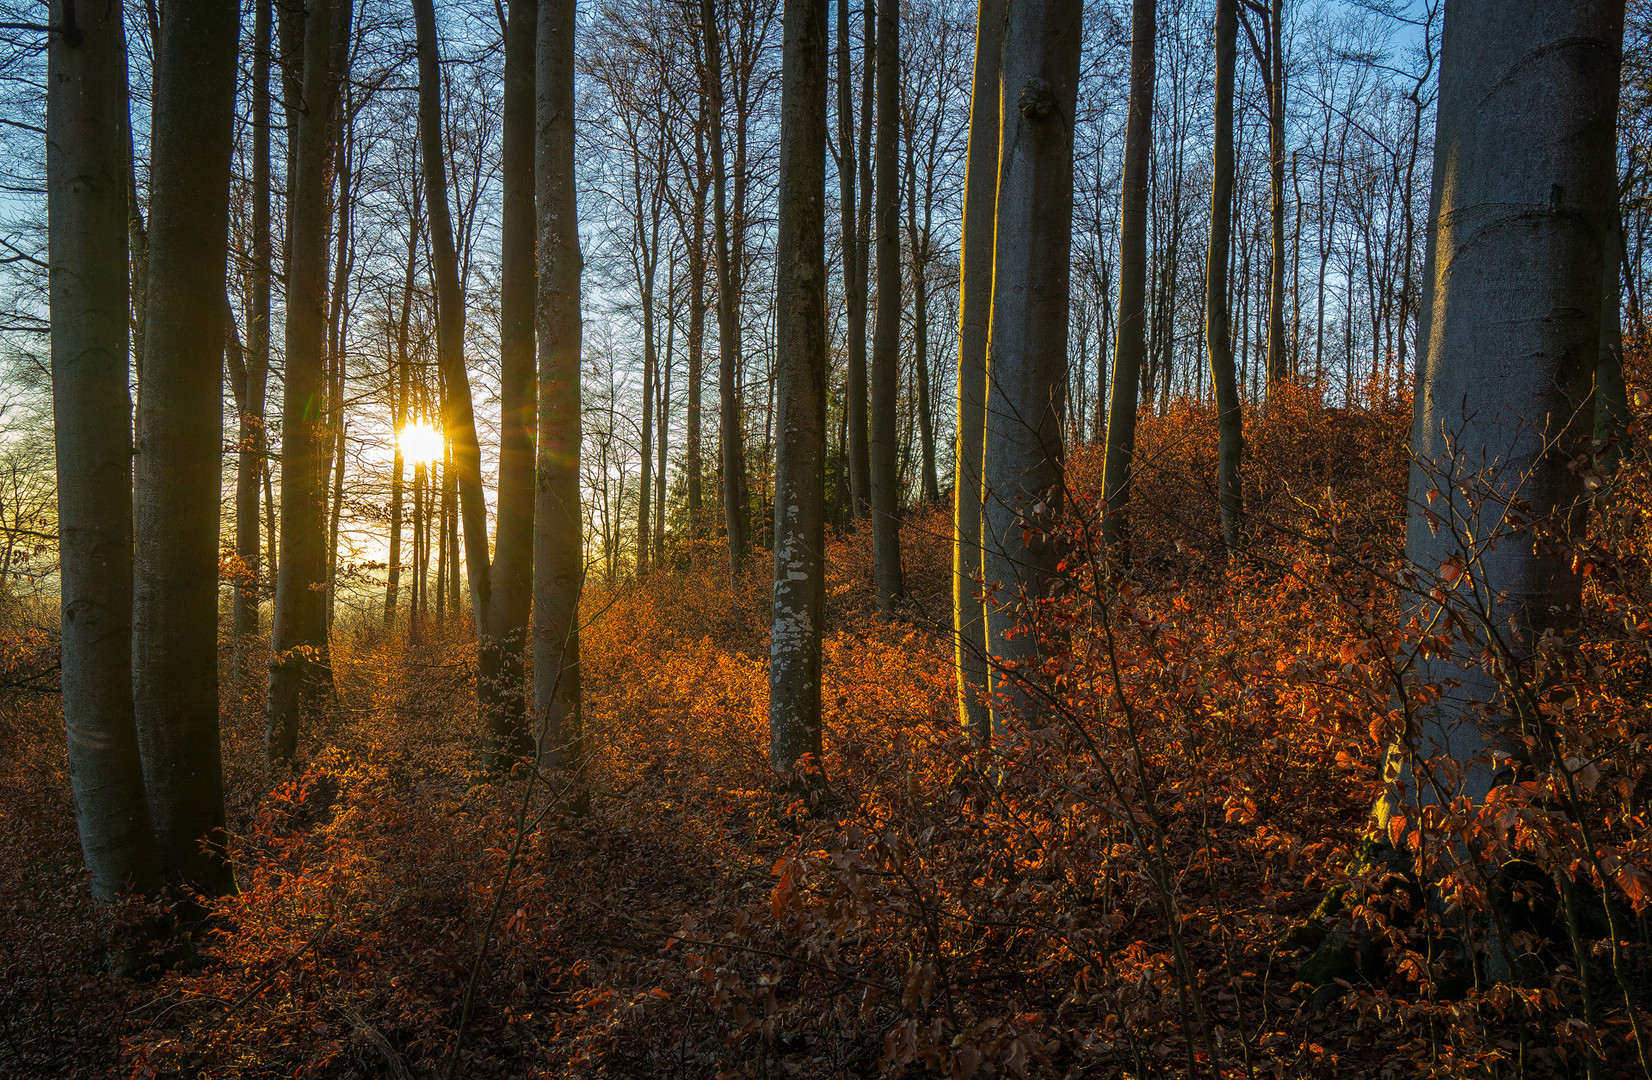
[974, 312]
[558, 521]
[502, 638]
[1027, 352]
[854, 273]
[1218, 337]
[251, 443]
[298, 633]
[800, 394]
[728, 328]
[1132, 322]
[86, 206]
[1528, 97]
[886, 338]
[459, 418]
[180, 432]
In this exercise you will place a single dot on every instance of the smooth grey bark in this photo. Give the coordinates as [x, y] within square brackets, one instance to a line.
[884, 374]
[251, 443]
[854, 278]
[1230, 442]
[1131, 344]
[1269, 52]
[86, 208]
[470, 517]
[1027, 345]
[693, 456]
[1525, 192]
[974, 312]
[179, 435]
[558, 571]
[728, 327]
[502, 635]
[298, 632]
[800, 394]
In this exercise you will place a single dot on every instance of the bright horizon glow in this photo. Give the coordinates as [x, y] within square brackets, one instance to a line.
[421, 442]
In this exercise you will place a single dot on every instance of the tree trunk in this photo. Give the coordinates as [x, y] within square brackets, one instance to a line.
[1027, 353]
[1612, 415]
[180, 432]
[728, 329]
[1218, 338]
[298, 634]
[251, 447]
[459, 418]
[86, 206]
[1528, 97]
[1132, 322]
[502, 638]
[854, 273]
[800, 393]
[694, 460]
[886, 337]
[403, 377]
[558, 521]
[975, 308]
[929, 481]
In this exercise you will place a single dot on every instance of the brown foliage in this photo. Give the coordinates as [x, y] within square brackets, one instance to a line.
[1167, 872]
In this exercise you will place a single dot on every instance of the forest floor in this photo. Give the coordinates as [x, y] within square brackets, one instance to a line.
[1130, 893]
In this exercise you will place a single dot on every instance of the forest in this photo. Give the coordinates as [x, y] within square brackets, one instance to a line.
[757, 539]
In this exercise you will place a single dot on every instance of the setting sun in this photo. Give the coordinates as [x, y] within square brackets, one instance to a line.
[421, 442]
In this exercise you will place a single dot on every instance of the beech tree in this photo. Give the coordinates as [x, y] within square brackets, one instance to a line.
[179, 433]
[884, 374]
[1218, 335]
[558, 551]
[800, 396]
[86, 205]
[503, 624]
[1524, 185]
[1027, 343]
[974, 314]
[1132, 319]
[298, 630]
[858, 450]
[728, 324]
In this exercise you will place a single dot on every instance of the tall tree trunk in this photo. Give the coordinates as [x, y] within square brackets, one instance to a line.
[854, 272]
[1218, 338]
[974, 311]
[728, 329]
[1132, 322]
[251, 442]
[694, 460]
[929, 481]
[403, 379]
[800, 394]
[180, 431]
[86, 207]
[1526, 189]
[886, 338]
[558, 521]
[1027, 353]
[502, 639]
[298, 634]
[459, 418]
